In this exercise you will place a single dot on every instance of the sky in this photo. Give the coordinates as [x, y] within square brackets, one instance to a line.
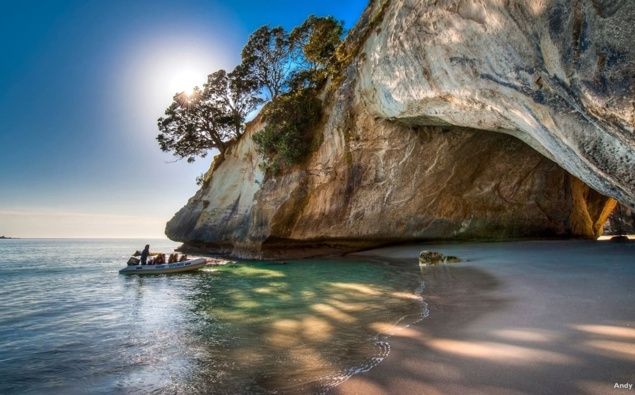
[82, 84]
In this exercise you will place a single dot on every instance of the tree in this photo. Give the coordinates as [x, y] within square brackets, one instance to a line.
[266, 59]
[235, 94]
[318, 38]
[301, 63]
[208, 118]
[287, 68]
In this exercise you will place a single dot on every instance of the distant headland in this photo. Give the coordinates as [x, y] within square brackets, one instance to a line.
[6, 237]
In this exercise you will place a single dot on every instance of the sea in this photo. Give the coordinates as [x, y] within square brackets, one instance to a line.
[71, 324]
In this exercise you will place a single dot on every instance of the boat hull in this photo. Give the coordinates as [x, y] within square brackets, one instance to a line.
[177, 267]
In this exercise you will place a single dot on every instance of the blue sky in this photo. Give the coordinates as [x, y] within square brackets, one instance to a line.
[81, 86]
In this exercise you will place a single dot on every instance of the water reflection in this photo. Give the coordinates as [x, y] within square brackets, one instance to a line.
[297, 327]
[70, 324]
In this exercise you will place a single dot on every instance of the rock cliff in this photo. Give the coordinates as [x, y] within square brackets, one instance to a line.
[621, 222]
[454, 120]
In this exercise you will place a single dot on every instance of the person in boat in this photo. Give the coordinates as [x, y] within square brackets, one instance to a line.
[183, 258]
[173, 258]
[144, 254]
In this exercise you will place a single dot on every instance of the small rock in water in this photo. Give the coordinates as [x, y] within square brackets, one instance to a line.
[429, 257]
[432, 258]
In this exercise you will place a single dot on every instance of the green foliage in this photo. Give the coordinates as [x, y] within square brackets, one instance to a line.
[288, 68]
[291, 118]
[266, 59]
[281, 62]
[209, 117]
[318, 38]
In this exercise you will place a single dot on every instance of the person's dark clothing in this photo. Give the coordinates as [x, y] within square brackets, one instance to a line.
[144, 255]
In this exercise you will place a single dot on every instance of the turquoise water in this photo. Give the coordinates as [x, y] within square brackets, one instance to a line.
[69, 323]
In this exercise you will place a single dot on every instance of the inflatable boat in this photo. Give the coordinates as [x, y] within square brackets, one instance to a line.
[176, 267]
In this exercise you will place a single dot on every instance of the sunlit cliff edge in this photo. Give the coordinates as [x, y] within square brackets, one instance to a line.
[458, 120]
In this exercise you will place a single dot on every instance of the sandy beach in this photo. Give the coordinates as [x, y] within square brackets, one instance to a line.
[533, 317]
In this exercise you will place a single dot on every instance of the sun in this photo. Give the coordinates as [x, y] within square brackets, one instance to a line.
[183, 78]
[169, 75]
[159, 69]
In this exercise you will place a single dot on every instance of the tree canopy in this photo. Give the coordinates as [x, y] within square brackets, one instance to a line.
[318, 38]
[283, 67]
[209, 117]
[266, 59]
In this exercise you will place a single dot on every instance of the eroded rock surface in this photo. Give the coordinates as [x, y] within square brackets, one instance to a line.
[559, 75]
[621, 222]
[409, 148]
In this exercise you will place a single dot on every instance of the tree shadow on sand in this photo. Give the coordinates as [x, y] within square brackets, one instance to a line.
[441, 355]
[303, 326]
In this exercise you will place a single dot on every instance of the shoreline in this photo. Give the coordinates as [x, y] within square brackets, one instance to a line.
[340, 248]
[514, 318]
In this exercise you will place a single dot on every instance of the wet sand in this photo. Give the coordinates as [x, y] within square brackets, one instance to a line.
[541, 317]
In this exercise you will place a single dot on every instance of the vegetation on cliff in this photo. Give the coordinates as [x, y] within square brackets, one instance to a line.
[288, 69]
[291, 117]
[209, 117]
[286, 139]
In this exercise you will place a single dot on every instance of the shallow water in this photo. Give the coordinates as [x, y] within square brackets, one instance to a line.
[69, 323]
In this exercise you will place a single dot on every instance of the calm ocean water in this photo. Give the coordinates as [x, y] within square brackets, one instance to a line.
[69, 323]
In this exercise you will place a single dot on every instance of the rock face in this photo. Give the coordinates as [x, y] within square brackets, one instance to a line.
[621, 222]
[446, 126]
[559, 75]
